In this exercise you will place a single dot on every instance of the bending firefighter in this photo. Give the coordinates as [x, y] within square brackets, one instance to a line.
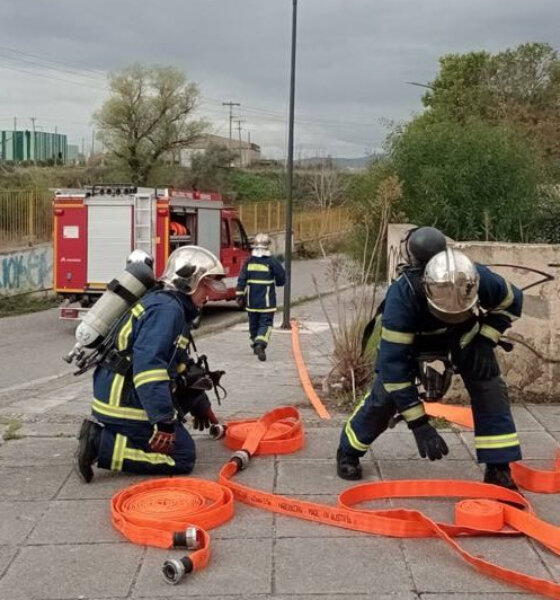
[140, 383]
[256, 292]
[441, 307]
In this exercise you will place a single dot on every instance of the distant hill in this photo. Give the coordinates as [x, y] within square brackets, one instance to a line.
[342, 163]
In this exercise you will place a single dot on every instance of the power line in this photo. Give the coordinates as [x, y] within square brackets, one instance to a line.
[231, 105]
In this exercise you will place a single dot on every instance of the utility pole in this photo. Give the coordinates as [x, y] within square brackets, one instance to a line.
[92, 143]
[231, 105]
[84, 148]
[34, 141]
[15, 123]
[288, 246]
[239, 121]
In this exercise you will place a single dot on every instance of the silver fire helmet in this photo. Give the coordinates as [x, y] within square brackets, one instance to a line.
[451, 286]
[187, 266]
[262, 241]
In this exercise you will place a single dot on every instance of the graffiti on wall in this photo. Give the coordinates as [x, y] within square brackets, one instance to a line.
[26, 270]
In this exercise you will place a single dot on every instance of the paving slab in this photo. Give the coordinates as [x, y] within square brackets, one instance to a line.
[319, 444]
[480, 596]
[236, 566]
[315, 477]
[71, 572]
[37, 452]
[64, 523]
[45, 429]
[247, 523]
[103, 485]
[32, 483]
[7, 553]
[547, 506]
[436, 568]
[342, 596]
[524, 419]
[402, 446]
[340, 566]
[439, 469]
[547, 414]
[18, 519]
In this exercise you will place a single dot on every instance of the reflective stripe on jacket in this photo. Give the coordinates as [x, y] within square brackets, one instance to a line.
[257, 281]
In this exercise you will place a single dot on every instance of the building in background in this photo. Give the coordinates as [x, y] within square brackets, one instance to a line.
[73, 154]
[246, 153]
[35, 147]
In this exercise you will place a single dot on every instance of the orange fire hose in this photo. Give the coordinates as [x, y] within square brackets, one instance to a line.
[173, 513]
[157, 512]
[482, 514]
[304, 375]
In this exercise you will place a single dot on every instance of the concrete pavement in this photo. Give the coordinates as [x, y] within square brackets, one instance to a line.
[32, 344]
[56, 540]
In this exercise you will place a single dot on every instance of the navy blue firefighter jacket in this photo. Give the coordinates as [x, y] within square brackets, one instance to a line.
[154, 334]
[408, 325]
[257, 281]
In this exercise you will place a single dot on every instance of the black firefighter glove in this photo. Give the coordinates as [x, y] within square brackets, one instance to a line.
[163, 437]
[241, 302]
[478, 360]
[429, 441]
[202, 413]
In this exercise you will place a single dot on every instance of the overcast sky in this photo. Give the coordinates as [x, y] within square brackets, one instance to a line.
[353, 59]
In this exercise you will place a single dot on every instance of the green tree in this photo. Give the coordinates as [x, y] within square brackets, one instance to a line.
[472, 180]
[147, 118]
[520, 86]
[210, 170]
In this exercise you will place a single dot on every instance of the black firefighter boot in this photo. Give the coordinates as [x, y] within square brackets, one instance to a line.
[89, 438]
[348, 466]
[500, 474]
[259, 351]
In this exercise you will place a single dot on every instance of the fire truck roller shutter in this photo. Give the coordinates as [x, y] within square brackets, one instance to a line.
[209, 229]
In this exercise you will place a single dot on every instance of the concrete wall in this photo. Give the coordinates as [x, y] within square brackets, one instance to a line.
[26, 270]
[529, 376]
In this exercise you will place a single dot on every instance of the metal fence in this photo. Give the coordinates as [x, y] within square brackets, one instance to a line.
[307, 224]
[25, 218]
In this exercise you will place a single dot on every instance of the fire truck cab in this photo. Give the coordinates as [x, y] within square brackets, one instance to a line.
[96, 228]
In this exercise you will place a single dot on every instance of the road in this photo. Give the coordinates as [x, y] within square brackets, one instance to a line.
[32, 345]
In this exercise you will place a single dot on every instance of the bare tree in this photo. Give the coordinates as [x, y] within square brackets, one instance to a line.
[147, 117]
[326, 186]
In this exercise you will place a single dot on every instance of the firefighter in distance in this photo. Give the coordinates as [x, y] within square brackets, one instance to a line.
[441, 304]
[256, 292]
[134, 425]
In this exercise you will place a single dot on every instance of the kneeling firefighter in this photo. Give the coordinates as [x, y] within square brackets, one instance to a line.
[141, 382]
[256, 292]
[444, 307]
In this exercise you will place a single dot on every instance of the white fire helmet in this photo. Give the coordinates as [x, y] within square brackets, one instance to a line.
[261, 245]
[187, 266]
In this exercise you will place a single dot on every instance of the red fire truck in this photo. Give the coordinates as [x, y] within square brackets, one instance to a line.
[96, 228]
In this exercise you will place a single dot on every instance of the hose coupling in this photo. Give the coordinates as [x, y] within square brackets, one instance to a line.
[241, 458]
[174, 570]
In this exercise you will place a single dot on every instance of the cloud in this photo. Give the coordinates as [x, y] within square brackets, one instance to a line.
[353, 58]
